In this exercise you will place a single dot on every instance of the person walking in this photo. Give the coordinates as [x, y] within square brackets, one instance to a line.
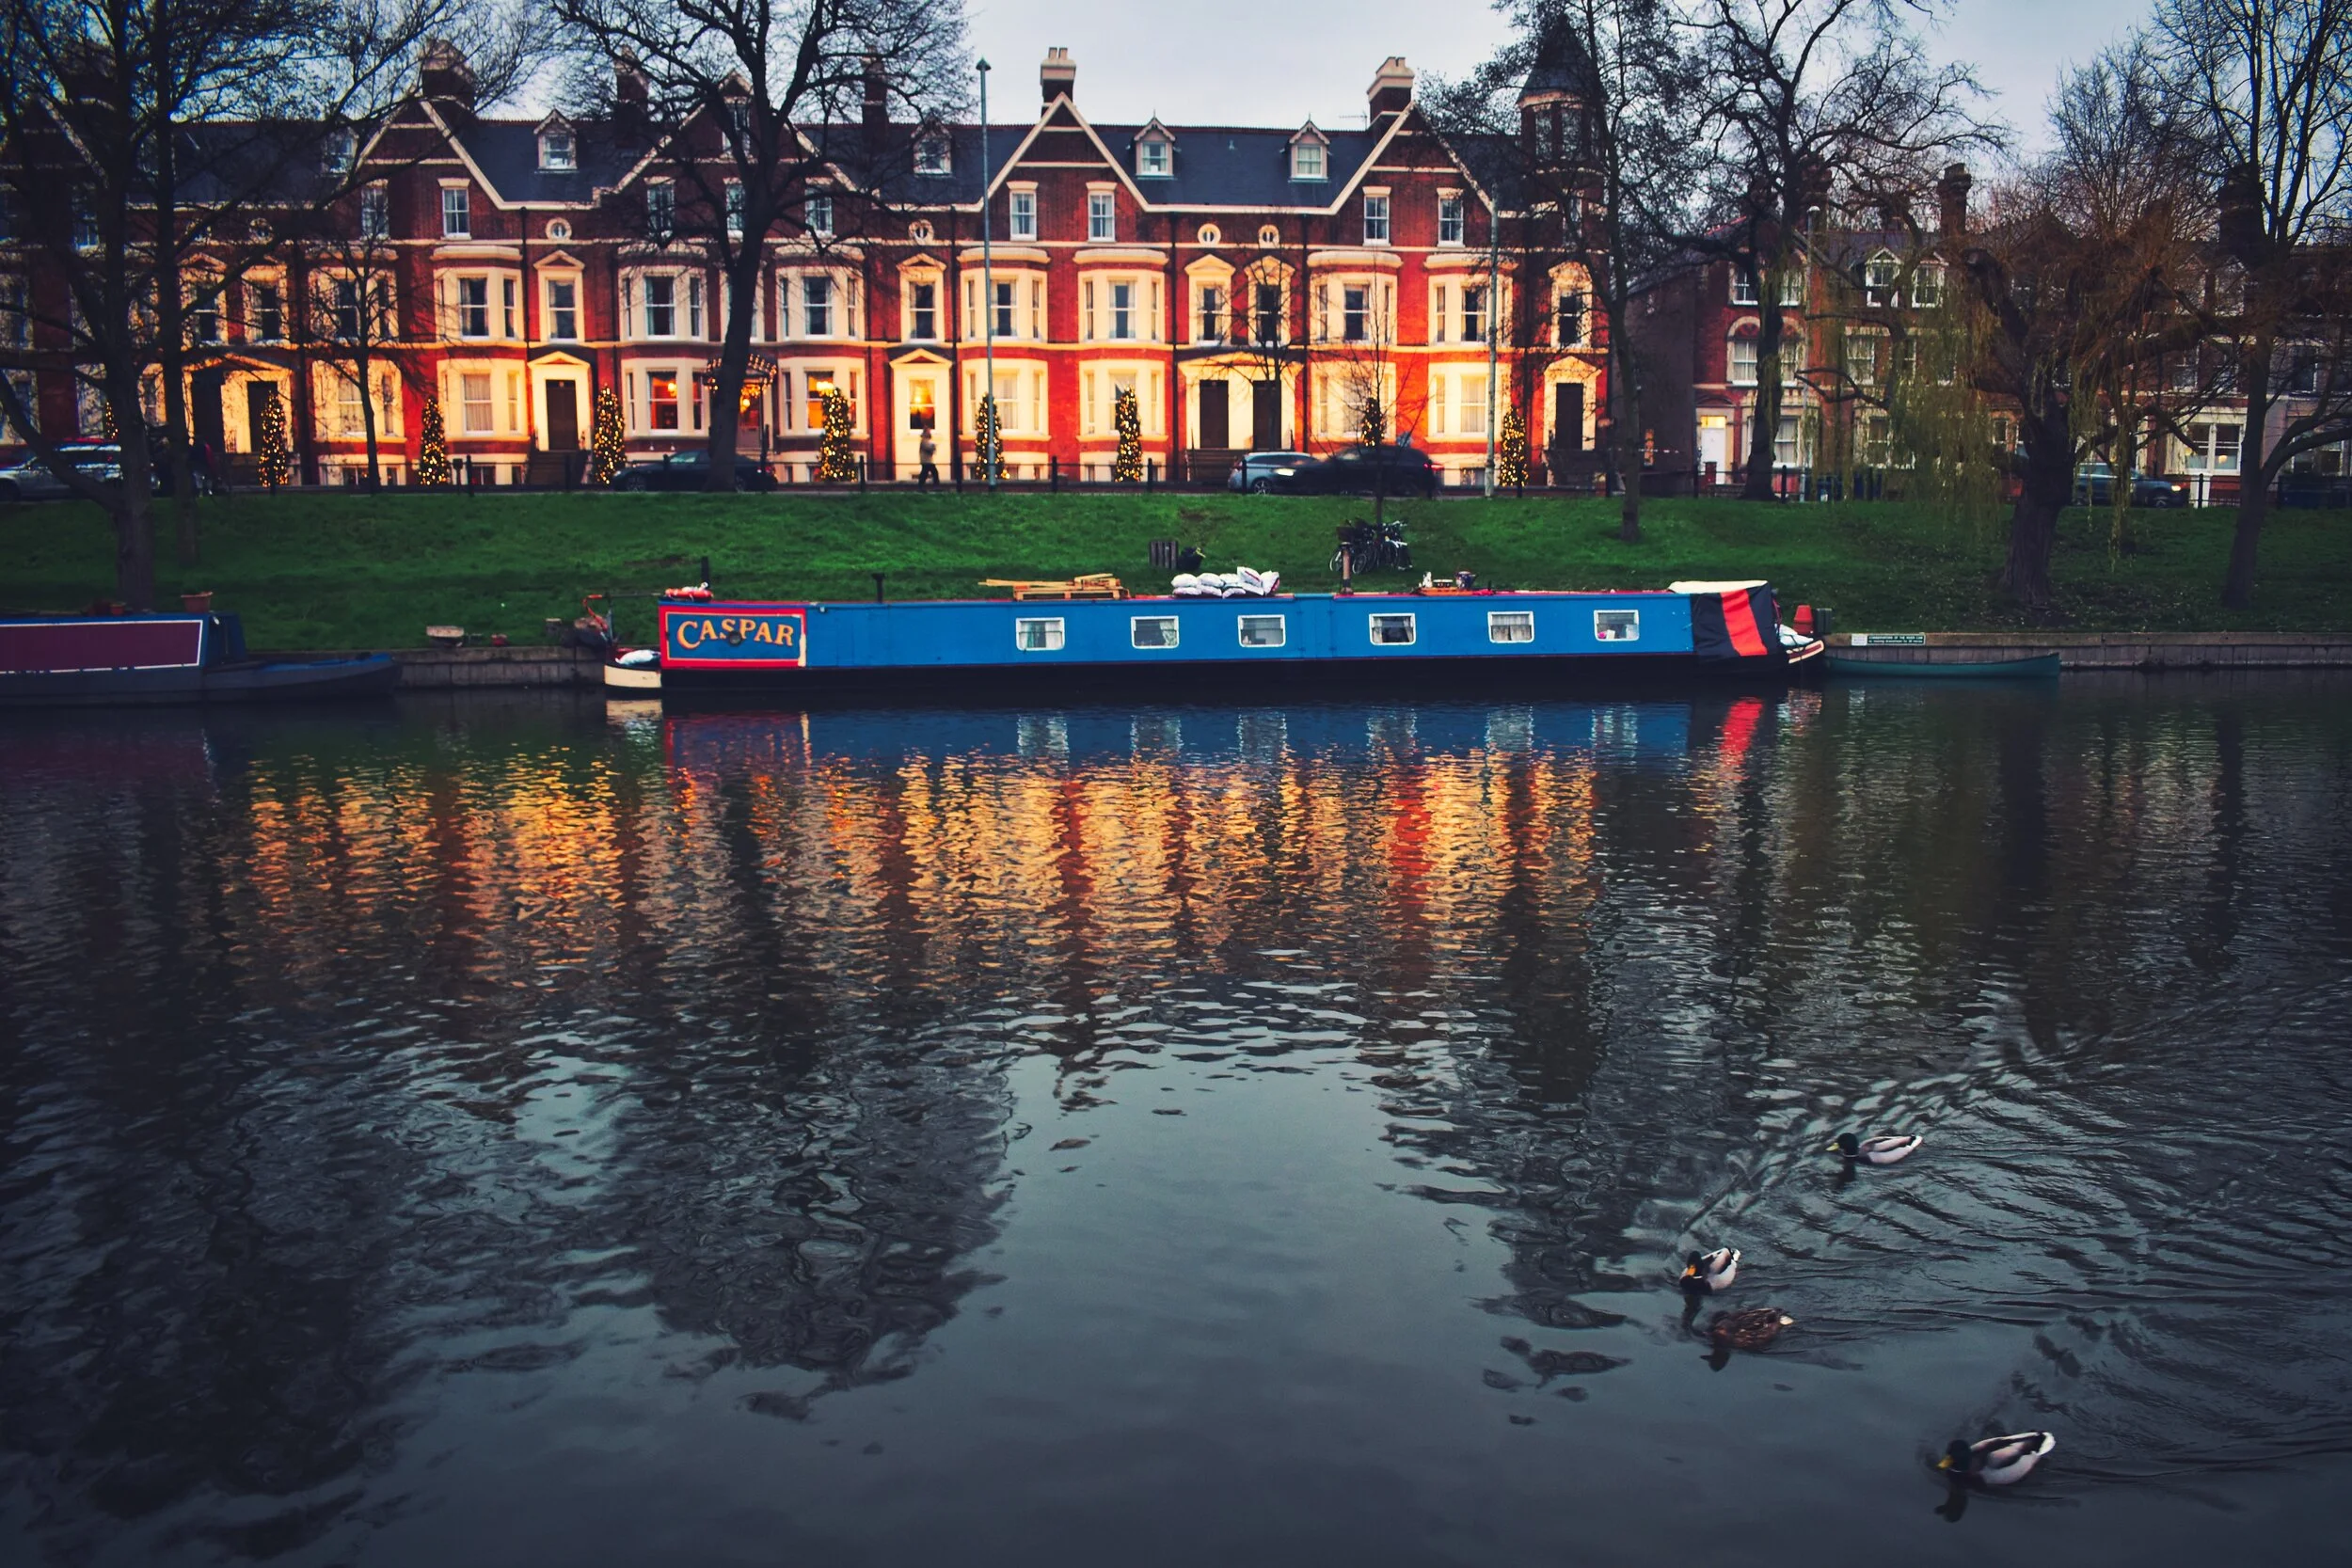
[926, 451]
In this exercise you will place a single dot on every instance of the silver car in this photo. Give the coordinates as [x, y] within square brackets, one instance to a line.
[1254, 473]
[30, 479]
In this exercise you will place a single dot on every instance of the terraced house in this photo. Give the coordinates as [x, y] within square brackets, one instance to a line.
[1250, 287]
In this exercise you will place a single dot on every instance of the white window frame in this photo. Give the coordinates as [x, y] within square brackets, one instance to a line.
[1392, 620]
[466, 403]
[553, 327]
[1022, 210]
[1376, 228]
[932, 155]
[1514, 622]
[1154, 158]
[1279, 625]
[1040, 634]
[1169, 628]
[1628, 620]
[456, 213]
[1450, 227]
[1732, 374]
[1743, 291]
[375, 210]
[549, 159]
[1101, 217]
[816, 214]
[1309, 160]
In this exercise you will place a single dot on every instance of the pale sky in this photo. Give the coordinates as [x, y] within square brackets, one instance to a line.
[1266, 62]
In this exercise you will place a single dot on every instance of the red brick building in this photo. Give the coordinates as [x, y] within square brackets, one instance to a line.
[1252, 287]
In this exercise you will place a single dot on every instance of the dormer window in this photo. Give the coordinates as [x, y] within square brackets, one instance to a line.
[343, 151]
[931, 155]
[1307, 161]
[1878, 280]
[557, 150]
[1155, 152]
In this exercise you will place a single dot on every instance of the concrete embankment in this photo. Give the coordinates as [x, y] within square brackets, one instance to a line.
[2113, 650]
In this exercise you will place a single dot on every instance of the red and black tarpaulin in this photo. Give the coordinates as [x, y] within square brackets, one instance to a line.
[1742, 623]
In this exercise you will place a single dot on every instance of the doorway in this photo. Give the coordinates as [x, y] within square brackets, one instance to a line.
[1214, 423]
[562, 416]
[208, 422]
[1567, 417]
[1265, 416]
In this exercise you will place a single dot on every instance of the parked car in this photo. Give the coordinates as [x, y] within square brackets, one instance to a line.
[2311, 489]
[30, 479]
[2094, 485]
[1255, 471]
[1360, 470]
[689, 470]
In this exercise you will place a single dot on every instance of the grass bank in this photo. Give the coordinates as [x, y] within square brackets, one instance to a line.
[344, 570]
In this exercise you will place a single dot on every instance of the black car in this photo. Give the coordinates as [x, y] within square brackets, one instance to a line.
[1360, 471]
[689, 470]
[2094, 485]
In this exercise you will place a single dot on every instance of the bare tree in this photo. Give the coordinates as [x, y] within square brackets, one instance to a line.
[1580, 127]
[775, 117]
[2268, 85]
[1807, 101]
[347, 319]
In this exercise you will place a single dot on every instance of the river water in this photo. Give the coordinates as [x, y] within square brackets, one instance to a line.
[498, 1131]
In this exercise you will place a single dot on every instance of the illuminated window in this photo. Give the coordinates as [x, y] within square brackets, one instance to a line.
[477, 402]
[662, 400]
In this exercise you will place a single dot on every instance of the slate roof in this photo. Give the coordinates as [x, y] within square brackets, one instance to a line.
[507, 152]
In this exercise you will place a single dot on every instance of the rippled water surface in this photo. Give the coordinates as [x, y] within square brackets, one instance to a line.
[507, 1132]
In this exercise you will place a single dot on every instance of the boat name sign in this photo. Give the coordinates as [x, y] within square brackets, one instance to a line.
[696, 638]
[1890, 640]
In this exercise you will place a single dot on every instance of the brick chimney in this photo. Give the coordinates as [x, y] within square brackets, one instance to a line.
[1951, 198]
[1392, 90]
[1058, 78]
[445, 74]
[877, 108]
[630, 90]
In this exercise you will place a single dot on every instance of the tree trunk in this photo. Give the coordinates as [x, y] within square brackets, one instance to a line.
[132, 507]
[2048, 485]
[367, 421]
[170, 303]
[1626, 437]
[1764, 432]
[734, 355]
[2253, 491]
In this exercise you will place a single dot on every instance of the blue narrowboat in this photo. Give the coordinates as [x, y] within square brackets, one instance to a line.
[1177, 644]
[78, 661]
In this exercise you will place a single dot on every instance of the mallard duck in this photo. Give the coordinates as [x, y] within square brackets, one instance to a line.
[1998, 1461]
[1704, 1273]
[1751, 1329]
[1882, 1150]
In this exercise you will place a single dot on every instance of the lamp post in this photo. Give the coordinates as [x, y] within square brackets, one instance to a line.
[1494, 318]
[988, 298]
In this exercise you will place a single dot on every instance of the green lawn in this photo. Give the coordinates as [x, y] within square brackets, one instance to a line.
[344, 570]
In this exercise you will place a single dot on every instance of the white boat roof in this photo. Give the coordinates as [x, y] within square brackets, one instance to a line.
[1714, 587]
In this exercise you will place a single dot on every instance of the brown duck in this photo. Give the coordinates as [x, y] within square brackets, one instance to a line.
[1751, 1329]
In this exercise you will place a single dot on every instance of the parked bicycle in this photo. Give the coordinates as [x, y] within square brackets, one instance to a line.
[1370, 548]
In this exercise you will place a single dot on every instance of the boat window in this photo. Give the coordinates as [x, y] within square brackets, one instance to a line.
[1510, 626]
[1261, 631]
[1153, 631]
[1038, 636]
[1617, 625]
[1392, 629]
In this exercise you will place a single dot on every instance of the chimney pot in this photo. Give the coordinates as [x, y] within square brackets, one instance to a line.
[444, 73]
[1392, 90]
[1058, 76]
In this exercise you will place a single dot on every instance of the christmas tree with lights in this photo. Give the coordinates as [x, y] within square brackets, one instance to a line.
[836, 463]
[270, 448]
[605, 455]
[987, 442]
[1127, 419]
[1511, 451]
[1374, 428]
[432, 446]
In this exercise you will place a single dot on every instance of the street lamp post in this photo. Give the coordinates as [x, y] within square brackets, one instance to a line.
[1494, 320]
[988, 298]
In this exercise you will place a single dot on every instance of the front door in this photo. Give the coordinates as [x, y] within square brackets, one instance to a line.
[922, 418]
[259, 395]
[1214, 422]
[562, 416]
[211, 428]
[1265, 416]
[1567, 417]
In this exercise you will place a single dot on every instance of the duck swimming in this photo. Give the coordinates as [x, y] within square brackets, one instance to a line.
[1751, 1329]
[1883, 1149]
[1997, 1461]
[1704, 1273]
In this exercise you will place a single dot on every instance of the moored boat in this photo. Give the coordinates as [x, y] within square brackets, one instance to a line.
[2036, 667]
[1184, 644]
[76, 661]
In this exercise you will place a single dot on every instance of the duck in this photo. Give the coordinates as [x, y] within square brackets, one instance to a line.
[1882, 1149]
[1997, 1461]
[1704, 1273]
[1751, 1329]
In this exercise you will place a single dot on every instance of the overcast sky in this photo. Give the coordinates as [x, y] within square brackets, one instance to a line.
[1267, 62]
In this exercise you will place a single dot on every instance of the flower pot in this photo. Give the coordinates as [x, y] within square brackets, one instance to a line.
[197, 604]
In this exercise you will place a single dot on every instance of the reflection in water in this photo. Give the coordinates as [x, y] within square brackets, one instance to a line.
[510, 1085]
